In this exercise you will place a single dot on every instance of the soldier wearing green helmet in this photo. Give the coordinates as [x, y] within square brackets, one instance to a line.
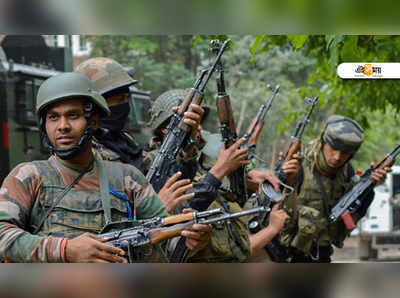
[52, 210]
[326, 175]
[229, 242]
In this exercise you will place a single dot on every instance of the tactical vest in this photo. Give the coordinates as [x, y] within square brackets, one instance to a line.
[313, 227]
[82, 210]
[227, 244]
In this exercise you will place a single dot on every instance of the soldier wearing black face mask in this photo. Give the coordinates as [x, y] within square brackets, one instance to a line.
[111, 143]
[113, 82]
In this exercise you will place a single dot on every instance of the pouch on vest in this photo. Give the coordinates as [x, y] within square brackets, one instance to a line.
[309, 225]
[222, 246]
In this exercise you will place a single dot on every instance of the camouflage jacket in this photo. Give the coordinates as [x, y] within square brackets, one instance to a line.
[229, 241]
[310, 226]
[32, 187]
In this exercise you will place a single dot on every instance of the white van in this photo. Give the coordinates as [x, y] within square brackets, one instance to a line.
[376, 228]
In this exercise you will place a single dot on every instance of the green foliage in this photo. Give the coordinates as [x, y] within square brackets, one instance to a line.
[160, 62]
[297, 40]
[303, 65]
[380, 138]
[367, 101]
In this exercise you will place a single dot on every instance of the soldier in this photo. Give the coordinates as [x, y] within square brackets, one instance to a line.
[328, 175]
[51, 210]
[114, 144]
[229, 242]
[206, 188]
[277, 217]
[112, 82]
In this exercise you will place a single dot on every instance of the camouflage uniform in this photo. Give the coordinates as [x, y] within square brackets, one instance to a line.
[229, 241]
[110, 141]
[309, 234]
[161, 114]
[223, 245]
[31, 188]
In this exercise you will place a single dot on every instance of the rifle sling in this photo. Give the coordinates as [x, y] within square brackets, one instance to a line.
[104, 191]
[180, 253]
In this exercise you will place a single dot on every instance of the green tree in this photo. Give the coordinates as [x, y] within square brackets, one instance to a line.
[373, 103]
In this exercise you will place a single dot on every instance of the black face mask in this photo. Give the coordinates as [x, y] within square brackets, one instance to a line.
[119, 115]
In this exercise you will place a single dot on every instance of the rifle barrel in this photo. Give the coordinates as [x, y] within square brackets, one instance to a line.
[212, 68]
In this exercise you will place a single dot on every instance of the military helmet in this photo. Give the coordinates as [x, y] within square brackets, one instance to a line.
[161, 110]
[67, 85]
[343, 134]
[105, 73]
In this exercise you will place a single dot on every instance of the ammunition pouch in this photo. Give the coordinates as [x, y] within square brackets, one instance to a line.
[309, 225]
[228, 242]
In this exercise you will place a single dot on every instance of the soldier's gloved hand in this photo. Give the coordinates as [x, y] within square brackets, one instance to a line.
[230, 159]
[173, 192]
[198, 236]
[192, 117]
[89, 248]
[379, 176]
[291, 167]
[258, 177]
[277, 219]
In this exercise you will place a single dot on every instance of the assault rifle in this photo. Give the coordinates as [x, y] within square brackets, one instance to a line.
[159, 229]
[254, 131]
[351, 201]
[276, 251]
[294, 144]
[238, 178]
[178, 131]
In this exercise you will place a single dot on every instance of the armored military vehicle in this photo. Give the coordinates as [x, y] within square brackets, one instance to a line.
[25, 62]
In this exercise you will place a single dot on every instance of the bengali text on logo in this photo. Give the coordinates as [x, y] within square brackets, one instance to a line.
[369, 70]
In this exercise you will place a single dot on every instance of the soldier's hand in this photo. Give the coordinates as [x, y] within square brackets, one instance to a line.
[198, 236]
[277, 219]
[192, 117]
[379, 176]
[230, 159]
[291, 167]
[89, 248]
[173, 192]
[258, 176]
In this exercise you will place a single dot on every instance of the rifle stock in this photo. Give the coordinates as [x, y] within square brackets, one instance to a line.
[165, 233]
[294, 147]
[253, 132]
[225, 114]
[256, 127]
